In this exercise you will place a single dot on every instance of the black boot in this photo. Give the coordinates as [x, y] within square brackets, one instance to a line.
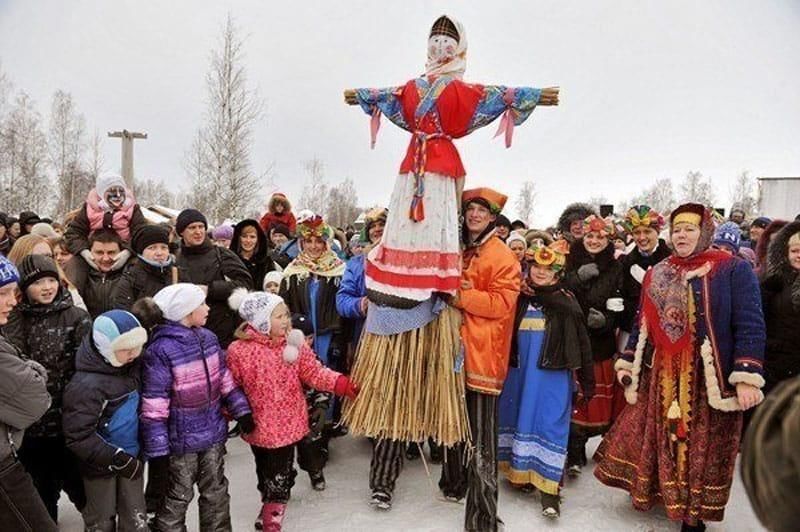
[436, 452]
[699, 527]
[412, 451]
[551, 505]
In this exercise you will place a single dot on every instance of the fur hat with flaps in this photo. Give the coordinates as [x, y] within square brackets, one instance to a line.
[117, 330]
[256, 309]
[574, 212]
[279, 197]
[378, 214]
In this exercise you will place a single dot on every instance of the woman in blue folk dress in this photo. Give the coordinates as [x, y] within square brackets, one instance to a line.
[536, 404]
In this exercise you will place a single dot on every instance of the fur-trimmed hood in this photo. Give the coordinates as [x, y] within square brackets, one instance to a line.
[574, 211]
[279, 198]
[777, 259]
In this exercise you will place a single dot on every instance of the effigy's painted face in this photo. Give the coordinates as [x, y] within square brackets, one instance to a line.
[441, 48]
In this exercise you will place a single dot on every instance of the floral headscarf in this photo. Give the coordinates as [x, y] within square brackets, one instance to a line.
[553, 255]
[603, 226]
[328, 264]
[643, 216]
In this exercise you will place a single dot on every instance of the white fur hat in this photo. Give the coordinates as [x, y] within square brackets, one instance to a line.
[177, 301]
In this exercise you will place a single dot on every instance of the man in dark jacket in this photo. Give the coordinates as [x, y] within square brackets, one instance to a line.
[217, 270]
[23, 400]
[96, 271]
[48, 328]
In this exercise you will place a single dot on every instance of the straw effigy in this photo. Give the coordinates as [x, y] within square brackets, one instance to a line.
[410, 387]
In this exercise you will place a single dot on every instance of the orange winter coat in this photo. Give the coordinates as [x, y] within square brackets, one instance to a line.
[488, 314]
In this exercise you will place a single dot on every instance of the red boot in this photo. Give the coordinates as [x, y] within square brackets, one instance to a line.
[272, 514]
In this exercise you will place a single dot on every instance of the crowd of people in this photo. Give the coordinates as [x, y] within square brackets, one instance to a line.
[130, 347]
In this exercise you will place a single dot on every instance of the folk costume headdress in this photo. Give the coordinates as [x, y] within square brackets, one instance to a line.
[453, 64]
[642, 216]
[603, 226]
[553, 255]
[327, 265]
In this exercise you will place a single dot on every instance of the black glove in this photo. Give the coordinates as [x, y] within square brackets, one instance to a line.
[246, 423]
[317, 418]
[126, 465]
[595, 319]
[588, 271]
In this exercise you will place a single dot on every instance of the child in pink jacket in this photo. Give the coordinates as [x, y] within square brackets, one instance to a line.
[271, 362]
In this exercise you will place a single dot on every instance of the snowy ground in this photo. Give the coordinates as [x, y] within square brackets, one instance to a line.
[417, 506]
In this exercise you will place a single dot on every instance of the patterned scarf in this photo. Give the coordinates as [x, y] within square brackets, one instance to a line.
[328, 265]
[666, 291]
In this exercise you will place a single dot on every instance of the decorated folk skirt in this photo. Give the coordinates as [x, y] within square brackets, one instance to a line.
[690, 476]
[596, 416]
[534, 411]
[416, 259]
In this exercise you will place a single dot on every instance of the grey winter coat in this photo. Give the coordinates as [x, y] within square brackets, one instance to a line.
[23, 399]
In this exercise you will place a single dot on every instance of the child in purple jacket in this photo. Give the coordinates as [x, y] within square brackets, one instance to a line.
[185, 384]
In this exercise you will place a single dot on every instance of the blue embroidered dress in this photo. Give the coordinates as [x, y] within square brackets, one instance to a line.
[535, 409]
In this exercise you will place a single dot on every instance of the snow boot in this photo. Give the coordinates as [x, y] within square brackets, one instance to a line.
[699, 527]
[381, 500]
[272, 514]
[412, 451]
[437, 453]
[317, 480]
[551, 505]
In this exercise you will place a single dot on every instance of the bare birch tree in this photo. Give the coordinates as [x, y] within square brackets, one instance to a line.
[66, 143]
[744, 193]
[315, 192]
[526, 201]
[24, 183]
[697, 189]
[660, 196]
[219, 159]
[343, 204]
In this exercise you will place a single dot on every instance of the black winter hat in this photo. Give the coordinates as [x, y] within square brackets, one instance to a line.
[35, 267]
[148, 235]
[282, 229]
[28, 218]
[502, 220]
[188, 217]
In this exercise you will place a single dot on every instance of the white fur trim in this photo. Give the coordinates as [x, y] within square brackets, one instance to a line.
[632, 390]
[237, 297]
[753, 379]
[132, 339]
[621, 364]
[715, 399]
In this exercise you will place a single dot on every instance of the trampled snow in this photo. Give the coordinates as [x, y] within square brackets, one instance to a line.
[418, 506]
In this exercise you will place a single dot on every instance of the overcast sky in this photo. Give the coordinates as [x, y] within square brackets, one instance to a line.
[648, 89]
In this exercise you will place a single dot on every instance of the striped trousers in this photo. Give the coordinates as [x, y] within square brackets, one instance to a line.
[386, 464]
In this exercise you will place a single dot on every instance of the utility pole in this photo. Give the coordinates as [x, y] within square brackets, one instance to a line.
[127, 153]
